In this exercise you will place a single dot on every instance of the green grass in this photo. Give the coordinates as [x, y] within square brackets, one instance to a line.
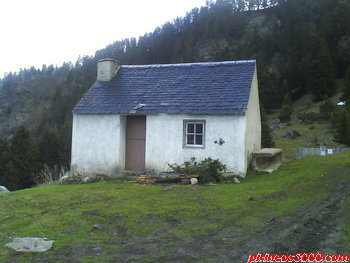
[66, 213]
[320, 129]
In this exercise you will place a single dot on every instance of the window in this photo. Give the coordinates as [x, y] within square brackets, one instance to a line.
[194, 131]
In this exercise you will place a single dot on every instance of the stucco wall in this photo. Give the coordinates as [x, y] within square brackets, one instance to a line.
[98, 143]
[165, 138]
[122, 141]
[253, 122]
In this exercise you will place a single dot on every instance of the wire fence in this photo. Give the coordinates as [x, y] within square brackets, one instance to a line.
[322, 150]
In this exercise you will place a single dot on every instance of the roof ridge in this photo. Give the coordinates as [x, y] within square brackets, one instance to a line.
[233, 62]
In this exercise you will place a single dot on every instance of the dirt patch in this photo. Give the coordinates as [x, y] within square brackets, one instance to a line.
[312, 230]
[315, 229]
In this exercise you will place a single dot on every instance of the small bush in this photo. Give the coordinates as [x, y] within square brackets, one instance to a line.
[208, 170]
[309, 117]
[326, 110]
[285, 113]
[50, 175]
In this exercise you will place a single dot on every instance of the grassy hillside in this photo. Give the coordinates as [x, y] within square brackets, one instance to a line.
[221, 223]
[320, 129]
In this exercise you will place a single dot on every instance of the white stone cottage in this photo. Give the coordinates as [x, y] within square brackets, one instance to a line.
[140, 118]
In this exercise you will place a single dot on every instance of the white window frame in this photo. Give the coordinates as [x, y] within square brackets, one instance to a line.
[186, 133]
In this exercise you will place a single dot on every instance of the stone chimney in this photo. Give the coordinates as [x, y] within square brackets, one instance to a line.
[107, 68]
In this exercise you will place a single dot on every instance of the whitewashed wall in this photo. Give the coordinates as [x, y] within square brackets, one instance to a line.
[165, 138]
[253, 121]
[98, 143]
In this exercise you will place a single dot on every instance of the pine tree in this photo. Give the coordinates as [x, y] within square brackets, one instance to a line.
[326, 109]
[287, 100]
[266, 133]
[346, 90]
[3, 162]
[23, 159]
[342, 126]
[268, 91]
[49, 147]
[241, 5]
[321, 74]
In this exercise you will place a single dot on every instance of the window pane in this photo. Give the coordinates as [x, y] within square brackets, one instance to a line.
[199, 139]
[190, 139]
[190, 127]
[199, 128]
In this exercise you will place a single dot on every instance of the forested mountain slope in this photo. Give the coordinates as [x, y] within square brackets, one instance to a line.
[300, 46]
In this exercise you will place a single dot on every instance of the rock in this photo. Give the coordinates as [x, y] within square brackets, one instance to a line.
[291, 134]
[65, 177]
[86, 179]
[298, 121]
[185, 181]
[3, 189]
[274, 124]
[169, 188]
[97, 249]
[99, 227]
[261, 25]
[282, 125]
[168, 175]
[30, 244]
[194, 180]
[236, 180]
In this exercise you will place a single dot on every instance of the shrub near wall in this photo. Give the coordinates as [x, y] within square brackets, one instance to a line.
[207, 170]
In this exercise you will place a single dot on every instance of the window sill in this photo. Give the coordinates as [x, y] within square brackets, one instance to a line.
[194, 146]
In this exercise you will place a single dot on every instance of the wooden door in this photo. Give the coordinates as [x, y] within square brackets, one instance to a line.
[135, 143]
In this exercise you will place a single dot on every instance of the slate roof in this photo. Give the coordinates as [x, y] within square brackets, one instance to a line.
[194, 88]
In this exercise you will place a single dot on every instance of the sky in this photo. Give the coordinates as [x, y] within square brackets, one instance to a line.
[37, 32]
